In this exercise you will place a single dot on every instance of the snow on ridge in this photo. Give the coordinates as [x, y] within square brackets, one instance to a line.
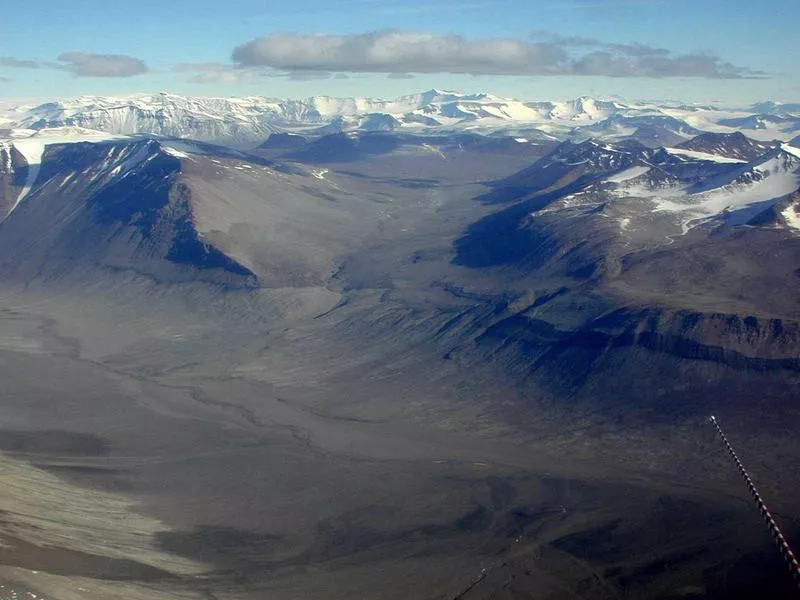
[789, 149]
[71, 134]
[703, 156]
[175, 152]
[180, 148]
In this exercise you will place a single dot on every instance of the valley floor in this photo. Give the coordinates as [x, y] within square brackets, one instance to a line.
[174, 468]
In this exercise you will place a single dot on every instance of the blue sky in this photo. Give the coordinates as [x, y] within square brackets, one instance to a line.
[725, 51]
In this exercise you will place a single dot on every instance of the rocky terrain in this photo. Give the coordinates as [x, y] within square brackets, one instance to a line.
[387, 364]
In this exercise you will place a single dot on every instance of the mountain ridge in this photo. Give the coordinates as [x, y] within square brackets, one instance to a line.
[251, 119]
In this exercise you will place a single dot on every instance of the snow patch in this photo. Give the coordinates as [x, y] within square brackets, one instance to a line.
[32, 150]
[174, 152]
[182, 149]
[435, 149]
[71, 133]
[792, 216]
[703, 156]
[627, 174]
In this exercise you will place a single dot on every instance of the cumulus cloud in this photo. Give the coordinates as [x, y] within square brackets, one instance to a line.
[16, 63]
[87, 64]
[596, 57]
[403, 52]
[395, 52]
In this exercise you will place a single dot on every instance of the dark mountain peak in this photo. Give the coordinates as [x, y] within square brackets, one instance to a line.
[656, 136]
[346, 147]
[598, 149]
[710, 137]
[730, 145]
[284, 141]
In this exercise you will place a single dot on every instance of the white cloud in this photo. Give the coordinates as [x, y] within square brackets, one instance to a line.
[395, 52]
[403, 52]
[17, 63]
[87, 64]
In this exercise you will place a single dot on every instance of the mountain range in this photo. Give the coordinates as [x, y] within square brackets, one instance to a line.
[250, 119]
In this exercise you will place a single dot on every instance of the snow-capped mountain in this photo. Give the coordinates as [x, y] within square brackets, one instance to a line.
[576, 165]
[776, 108]
[779, 122]
[738, 195]
[230, 119]
[252, 119]
[654, 193]
[581, 109]
[652, 130]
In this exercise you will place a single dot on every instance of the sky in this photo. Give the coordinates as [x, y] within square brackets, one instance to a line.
[730, 52]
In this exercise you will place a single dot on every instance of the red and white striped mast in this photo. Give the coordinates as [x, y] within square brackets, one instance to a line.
[786, 551]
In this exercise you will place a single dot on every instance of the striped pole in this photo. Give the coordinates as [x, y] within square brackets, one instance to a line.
[783, 545]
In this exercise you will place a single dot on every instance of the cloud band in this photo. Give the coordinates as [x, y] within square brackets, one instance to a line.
[402, 52]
